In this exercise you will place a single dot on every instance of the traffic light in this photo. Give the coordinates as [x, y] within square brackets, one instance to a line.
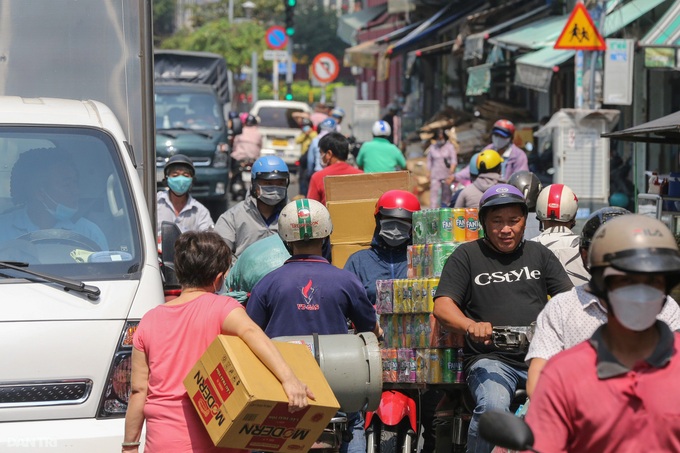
[290, 16]
[289, 92]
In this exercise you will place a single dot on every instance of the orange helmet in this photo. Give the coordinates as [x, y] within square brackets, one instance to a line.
[504, 128]
[397, 203]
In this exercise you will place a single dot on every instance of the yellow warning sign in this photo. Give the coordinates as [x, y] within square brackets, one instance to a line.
[580, 33]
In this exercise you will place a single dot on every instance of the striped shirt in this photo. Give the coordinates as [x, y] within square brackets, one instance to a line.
[564, 244]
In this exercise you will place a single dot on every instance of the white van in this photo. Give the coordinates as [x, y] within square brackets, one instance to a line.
[278, 126]
[78, 254]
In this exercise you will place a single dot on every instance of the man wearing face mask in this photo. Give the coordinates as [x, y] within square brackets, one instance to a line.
[333, 149]
[176, 205]
[257, 216]
[572, 317]
[386, 258]
[618, 390]
[45, 190]
[515, 159]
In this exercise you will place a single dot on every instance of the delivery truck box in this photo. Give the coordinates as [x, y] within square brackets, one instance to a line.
[243, 405]
[350, 200]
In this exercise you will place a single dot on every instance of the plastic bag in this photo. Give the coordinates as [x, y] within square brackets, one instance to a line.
[256, 261]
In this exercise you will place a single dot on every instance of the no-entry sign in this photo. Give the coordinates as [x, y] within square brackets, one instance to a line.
[276, 37]
[325, 67]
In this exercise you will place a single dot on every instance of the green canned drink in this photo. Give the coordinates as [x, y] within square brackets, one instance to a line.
[449, 366]
[419, 229]
[440, 254]
[432, 226]
[446, 220]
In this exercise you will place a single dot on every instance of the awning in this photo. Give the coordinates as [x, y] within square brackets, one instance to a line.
[536, 35]
[350, 24]
[662, 130]
[364, 55]
[474, 43]
[430, 27]
[479, 80]
[534, 70]
[444, 47]
[666, 32]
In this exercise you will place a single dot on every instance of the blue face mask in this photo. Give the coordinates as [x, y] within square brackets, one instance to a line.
[61, 212]
[180, 184]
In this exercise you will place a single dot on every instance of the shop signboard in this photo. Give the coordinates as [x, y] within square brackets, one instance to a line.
[660, 57]
[618, 72]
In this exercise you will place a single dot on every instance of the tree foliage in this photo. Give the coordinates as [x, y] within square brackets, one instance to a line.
[164, 17]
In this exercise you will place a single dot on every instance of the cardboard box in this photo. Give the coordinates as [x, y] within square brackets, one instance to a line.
[341, 253]
[243, 405]
[364, 186]
[350, 200]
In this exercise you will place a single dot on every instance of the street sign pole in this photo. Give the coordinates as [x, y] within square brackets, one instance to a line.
[578, 78]
[253, 66]
[275, 79]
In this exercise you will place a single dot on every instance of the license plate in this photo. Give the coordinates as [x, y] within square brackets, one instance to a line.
[245, 176]
[280, 142]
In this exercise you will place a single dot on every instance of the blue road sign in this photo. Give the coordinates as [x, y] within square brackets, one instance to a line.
[276, 37]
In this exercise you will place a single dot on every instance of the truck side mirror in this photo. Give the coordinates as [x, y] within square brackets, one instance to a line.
[169, 234]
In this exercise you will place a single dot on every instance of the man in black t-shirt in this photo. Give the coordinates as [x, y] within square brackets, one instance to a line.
[500, 280]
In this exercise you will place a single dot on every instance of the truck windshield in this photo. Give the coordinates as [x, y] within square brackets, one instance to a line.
[65, 205]
[187, 111]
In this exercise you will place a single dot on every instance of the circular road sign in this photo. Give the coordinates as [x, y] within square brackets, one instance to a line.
[325, 67]
[276, 37]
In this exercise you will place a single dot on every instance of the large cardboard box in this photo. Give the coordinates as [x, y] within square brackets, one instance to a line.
[243, 405]
[350, 200]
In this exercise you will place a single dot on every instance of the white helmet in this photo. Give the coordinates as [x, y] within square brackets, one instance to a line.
[556, 202]
[381, 129]
[304, 219]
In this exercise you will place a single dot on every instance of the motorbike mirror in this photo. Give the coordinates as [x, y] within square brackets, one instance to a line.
[506, 430]
[236, 126]
[169, 234]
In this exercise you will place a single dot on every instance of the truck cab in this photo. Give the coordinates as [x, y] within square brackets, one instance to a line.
[190, 121]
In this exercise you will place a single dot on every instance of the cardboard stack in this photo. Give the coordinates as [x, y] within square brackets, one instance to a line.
[350, 200]
[243, 405]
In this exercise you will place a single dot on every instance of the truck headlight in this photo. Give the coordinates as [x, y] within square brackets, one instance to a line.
[221, 157]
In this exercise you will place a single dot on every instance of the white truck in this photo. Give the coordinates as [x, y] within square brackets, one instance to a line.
[78, 253]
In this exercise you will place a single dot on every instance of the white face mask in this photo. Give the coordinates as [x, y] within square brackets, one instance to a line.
[499, 143]
[636, 306]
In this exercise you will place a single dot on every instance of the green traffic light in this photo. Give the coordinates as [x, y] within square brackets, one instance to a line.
[290, 31]
[289, 97]
[291, 3]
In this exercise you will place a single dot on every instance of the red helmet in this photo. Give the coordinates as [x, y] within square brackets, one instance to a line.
[503, 128]
[397, 203]
[556, 202]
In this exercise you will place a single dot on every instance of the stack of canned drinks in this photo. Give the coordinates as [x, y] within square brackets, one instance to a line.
[430, 365]
[436, 234]
[436, 226]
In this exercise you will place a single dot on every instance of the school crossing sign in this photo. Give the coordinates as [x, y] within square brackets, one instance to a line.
[580, 33]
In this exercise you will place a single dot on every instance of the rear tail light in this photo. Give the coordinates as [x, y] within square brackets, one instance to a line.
[221, 157]
[117, 388]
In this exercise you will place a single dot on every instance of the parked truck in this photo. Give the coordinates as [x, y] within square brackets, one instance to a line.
[192, 94]
[78, 252]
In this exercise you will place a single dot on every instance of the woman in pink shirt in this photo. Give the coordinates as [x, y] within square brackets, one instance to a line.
[442, 160]
[172, 337]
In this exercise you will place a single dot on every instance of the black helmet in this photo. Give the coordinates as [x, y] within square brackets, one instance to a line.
[251, 120]
[529, 184]
[179, 159]
[595, 220]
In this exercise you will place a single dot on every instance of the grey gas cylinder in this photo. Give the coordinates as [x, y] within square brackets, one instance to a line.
[351, 364]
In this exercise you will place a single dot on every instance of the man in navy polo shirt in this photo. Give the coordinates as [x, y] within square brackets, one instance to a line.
[309, 295]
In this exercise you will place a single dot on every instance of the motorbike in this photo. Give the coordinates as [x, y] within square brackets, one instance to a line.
[333, 435]
[240, 179]
[453, 417]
